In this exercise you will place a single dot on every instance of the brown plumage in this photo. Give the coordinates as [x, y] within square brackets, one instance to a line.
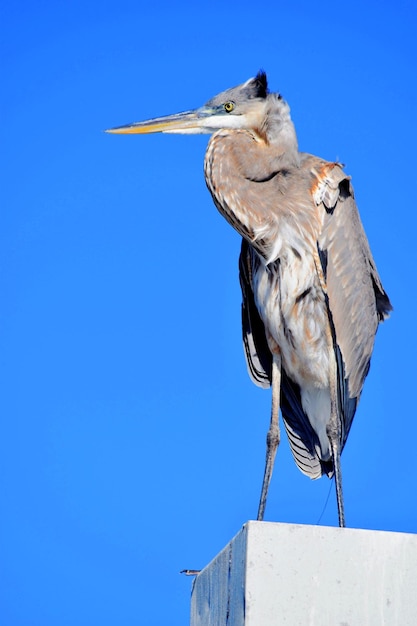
[312, 297]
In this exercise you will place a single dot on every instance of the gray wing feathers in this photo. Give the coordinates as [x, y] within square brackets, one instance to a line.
[356, 298]
[257, 353]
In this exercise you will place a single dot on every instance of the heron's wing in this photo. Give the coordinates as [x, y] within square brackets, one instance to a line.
[258, 355]
[356, 298]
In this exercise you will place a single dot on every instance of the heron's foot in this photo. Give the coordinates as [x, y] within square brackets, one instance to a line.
[335, 448]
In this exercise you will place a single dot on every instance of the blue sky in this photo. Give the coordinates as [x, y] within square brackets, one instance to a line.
[132, 440]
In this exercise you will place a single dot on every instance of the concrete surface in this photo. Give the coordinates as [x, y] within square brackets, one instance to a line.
[273, 574]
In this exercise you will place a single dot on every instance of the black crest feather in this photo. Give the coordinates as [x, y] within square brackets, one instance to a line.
[261, 84]
[256, 87]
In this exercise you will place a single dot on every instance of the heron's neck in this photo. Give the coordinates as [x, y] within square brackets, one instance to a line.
[280, 132]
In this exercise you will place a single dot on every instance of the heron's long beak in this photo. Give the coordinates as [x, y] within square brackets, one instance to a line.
[189, 122]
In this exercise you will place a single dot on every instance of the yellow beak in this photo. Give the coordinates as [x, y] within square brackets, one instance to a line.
[189, 122]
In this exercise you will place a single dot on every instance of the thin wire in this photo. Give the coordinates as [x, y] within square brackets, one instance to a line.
[327, 501]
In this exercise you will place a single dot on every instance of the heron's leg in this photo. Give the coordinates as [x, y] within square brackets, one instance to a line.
[272, 438]
[335, 446]
[334, 435]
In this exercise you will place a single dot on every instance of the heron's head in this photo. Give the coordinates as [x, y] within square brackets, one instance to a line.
[249, 106]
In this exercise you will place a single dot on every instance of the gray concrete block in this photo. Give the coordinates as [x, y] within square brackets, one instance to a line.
[273, 574]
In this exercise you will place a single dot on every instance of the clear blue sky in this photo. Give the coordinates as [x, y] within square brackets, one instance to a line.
[132, 440]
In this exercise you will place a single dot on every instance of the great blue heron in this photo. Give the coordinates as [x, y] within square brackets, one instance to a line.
[312, 296]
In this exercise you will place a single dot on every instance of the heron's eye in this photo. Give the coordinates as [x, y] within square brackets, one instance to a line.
[229, 106]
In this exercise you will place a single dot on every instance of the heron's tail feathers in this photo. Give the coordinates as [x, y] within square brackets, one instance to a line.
[305, 456]
[304, 442]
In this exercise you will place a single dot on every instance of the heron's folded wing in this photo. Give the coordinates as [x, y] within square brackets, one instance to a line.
[356, 298]
[257, 353]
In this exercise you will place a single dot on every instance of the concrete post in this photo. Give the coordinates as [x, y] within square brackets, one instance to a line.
[272, 574]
